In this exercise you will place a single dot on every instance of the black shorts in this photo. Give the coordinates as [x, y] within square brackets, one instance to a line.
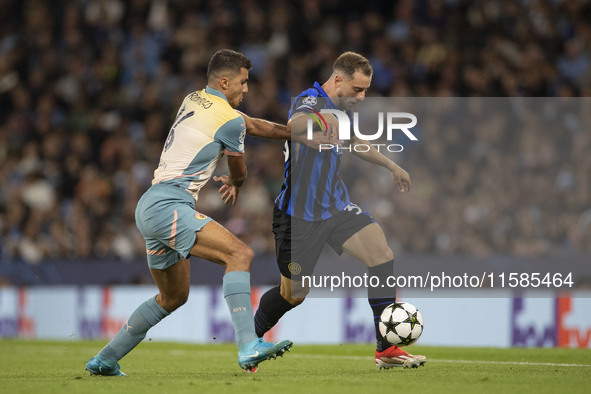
[298, 243]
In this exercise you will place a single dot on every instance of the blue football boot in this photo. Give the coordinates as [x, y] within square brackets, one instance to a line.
[96, 366]
[258, 351]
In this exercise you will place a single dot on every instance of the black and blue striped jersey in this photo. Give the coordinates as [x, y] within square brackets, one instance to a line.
[312, 189]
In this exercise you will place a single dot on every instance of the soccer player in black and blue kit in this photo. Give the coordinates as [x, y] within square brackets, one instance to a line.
[313, 209]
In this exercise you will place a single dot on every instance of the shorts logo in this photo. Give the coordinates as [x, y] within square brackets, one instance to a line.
[200, 216]
[353, 207]
[294, 268]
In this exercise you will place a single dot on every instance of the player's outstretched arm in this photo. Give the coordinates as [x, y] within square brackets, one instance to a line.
[400, 176]
[294, 130]
[262, 128]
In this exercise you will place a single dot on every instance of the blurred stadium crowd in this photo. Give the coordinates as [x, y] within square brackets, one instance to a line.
[88, 90]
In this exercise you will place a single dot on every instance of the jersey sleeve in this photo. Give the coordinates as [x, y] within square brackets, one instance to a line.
[231, 136]
[308, 102]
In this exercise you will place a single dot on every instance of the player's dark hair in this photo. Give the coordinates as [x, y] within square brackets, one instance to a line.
[350, 62]
[227, 60]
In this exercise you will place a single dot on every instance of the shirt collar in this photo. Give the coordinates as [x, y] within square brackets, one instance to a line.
[215, 92]
[323, 94]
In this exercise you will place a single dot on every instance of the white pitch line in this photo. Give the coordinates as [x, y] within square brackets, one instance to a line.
[446, 361]
[330, 357]
[512, 363]
[180, 352]
[177, 352]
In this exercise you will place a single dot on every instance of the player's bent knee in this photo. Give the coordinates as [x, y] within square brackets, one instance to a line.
[173, 302]
[241, 258]
[248, 254]
[388, 255]
[380, 256]
[295, 296]
[178, 302]
[295, 301]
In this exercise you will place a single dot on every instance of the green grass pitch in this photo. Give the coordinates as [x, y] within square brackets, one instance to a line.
[58, 367]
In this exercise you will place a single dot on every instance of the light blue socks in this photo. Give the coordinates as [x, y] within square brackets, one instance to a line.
[133, 331]
[236, 288]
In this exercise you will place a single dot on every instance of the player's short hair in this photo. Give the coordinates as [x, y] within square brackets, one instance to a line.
[350, 62]
[227, 60]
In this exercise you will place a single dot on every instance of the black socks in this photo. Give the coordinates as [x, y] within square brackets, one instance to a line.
[381, 297]
[271, 307]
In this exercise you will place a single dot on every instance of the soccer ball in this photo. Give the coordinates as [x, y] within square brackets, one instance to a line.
[401, 324]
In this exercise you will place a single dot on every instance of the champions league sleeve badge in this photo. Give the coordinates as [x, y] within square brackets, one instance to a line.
[310, 100]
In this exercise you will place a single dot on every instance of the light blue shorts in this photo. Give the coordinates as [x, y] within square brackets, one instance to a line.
[166, 217]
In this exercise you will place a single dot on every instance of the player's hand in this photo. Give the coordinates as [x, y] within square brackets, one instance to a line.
[327, 136]
[228, 191]
[401, 178]
[318, 138]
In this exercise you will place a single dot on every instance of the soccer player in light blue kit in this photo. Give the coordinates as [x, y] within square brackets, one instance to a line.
[206, 128]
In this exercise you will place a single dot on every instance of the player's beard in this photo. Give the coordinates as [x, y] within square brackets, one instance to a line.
[348, 104]
[235, 103]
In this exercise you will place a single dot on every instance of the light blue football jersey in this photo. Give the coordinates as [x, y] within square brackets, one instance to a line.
[206, 127]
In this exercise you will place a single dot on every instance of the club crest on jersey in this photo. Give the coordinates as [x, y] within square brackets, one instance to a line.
[200, 216]
[294, 268]
[310, 100]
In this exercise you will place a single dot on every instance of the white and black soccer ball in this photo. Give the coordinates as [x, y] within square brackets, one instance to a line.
[401, 323]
